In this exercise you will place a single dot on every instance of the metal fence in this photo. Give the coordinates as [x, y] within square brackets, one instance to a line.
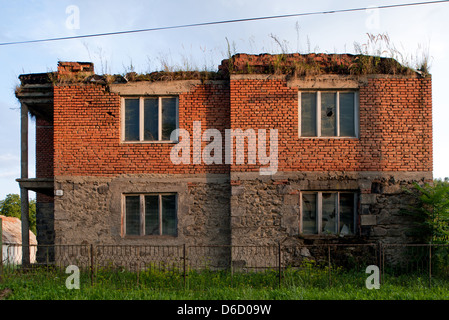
[185, 266]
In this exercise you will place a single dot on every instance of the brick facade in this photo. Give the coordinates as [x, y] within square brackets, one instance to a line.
[395, 126]
[87, 132]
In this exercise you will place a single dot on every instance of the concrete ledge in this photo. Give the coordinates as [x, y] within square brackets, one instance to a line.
[174, 87]
[329, 175]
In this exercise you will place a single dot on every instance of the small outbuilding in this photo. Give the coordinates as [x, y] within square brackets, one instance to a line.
[12, 241]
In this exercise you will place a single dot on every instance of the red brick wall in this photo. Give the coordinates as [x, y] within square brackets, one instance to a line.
[395, 126]
[87, 132]
[395, 129]
[44, 154]
[44, 148]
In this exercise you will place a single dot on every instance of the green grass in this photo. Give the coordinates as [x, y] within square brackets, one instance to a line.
[304, 284]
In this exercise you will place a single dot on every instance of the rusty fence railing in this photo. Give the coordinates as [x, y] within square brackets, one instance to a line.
[199, 267]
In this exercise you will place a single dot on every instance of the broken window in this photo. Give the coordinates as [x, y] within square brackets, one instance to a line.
[347, 213]
[328, 212]
[150, 118]
[150, 214]
[328, 114]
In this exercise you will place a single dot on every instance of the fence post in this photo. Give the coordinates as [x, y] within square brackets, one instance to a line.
[184, 266]
[379, 260]
[430, 265]
[279, 262]
[231, 264]
[329, 263]
[91, 264]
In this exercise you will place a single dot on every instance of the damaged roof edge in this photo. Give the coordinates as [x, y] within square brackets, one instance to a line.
[293, 64]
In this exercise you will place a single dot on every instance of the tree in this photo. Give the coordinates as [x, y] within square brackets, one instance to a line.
[10, 207]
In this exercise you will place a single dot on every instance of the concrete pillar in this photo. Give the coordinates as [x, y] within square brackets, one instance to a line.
[24, 206]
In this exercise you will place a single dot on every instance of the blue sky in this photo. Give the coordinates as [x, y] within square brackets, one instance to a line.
[413, 31]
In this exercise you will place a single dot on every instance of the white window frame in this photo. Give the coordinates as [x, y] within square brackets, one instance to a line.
[142, 213]
[142, 119]
[319, 213]
[337, 113]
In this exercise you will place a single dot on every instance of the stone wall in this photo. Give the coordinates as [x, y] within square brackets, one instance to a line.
[90, 210]
[246, 211]
[265, 210]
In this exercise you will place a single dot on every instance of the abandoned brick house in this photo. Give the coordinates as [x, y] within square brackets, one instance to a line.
[352, 132]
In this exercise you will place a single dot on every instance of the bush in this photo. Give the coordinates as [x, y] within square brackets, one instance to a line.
[432, 212]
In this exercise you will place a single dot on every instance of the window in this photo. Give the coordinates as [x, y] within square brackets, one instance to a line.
[328, 212]
[149, 119]
[150, 214]
[328, 114]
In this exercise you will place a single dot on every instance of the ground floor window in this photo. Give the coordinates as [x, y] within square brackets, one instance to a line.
[150, 214]
[328, 212]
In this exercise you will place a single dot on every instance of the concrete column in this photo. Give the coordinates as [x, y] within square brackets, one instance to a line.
[24, 206]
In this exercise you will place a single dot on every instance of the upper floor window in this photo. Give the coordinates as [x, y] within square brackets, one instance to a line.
[328, 212]
[328, 114]
[149, 118]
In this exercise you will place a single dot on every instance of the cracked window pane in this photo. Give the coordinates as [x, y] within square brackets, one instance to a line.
[329, 213]
[309, 212]
[347, 127]
[346, 213]
[308, 115]
[328, 114]
[152, 215]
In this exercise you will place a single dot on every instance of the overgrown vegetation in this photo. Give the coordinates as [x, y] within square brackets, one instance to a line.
[378, 55]
[431, 216]
[431, 212]
[296, 284]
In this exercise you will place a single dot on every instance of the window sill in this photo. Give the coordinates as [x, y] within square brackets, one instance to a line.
[326, 236]
[147, 237]
[337, 138]
[150, 142]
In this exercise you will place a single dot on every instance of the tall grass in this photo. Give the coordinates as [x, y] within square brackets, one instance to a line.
[152, 284]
